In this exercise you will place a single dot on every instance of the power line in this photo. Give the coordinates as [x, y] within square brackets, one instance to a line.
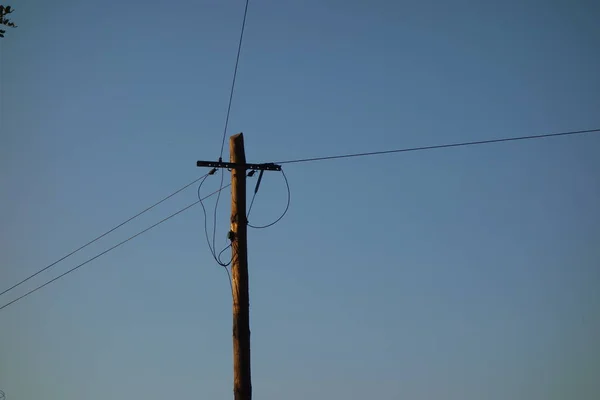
[104, 234]
[237, 61]
[441, 146]
[108, 250]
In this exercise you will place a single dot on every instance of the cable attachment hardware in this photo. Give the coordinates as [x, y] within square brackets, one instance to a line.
[231, 236]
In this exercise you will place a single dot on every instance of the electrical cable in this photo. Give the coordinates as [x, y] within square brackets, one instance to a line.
[216, 257]
[225, 266]
[287, 206]
[442, 146]
[212, 248]
[221, 252]
[103, 235]
[260, 175]
[214, 232]
[237, 61]
[106, 251]
[251, 204]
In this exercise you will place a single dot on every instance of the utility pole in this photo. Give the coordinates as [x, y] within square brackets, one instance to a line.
[242, 384]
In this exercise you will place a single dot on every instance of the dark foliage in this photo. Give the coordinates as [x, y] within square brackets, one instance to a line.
[4, 11]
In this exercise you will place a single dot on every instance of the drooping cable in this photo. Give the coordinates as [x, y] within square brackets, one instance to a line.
[287, 206]
[214, 232]
[225, 266]
[211, 247]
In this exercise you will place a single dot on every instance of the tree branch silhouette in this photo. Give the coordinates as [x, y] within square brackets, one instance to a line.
[4, 11]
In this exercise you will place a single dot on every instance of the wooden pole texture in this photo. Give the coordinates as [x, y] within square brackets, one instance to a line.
[242, 386]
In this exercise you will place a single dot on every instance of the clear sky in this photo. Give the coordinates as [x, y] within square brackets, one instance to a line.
[460, 274]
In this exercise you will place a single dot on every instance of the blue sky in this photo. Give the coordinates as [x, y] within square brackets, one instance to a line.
[469, 273]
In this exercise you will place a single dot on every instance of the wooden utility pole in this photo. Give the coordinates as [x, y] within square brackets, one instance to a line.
[242, 386]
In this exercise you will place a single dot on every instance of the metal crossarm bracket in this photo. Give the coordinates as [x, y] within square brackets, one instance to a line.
[229, 165]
